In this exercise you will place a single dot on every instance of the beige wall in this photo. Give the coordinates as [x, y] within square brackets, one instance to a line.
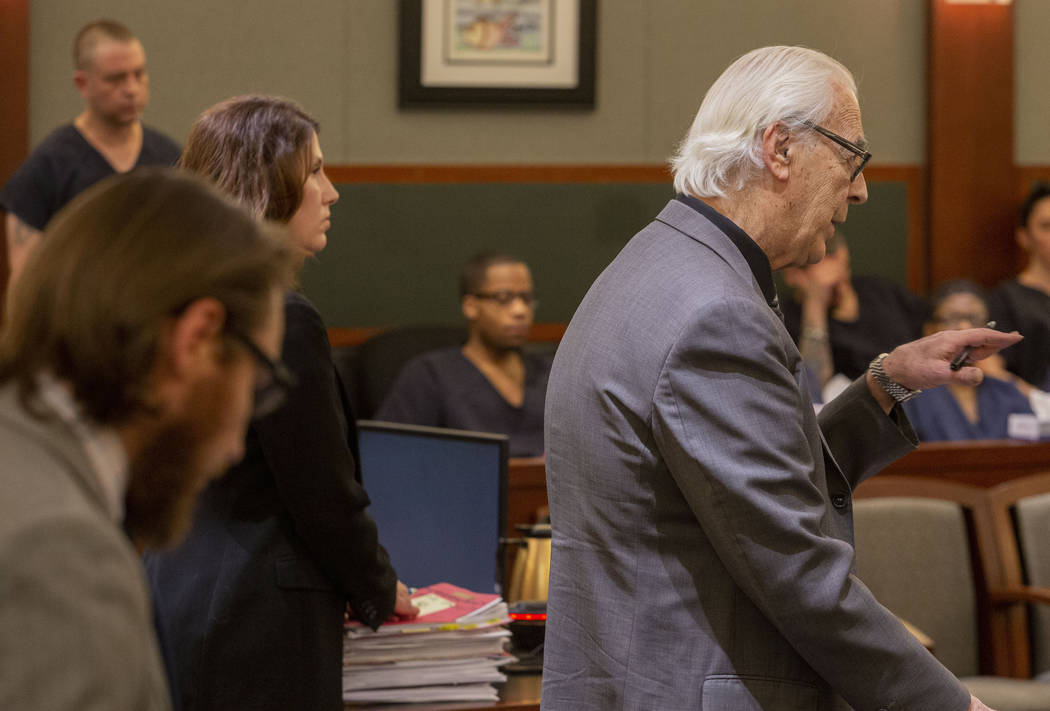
[339, 59]
[1031, 86]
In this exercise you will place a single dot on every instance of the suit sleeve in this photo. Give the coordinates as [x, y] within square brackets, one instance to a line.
[861, 439]
[75, 626]
[306, 447]
[729, 421]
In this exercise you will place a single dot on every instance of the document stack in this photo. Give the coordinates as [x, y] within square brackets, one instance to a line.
[452, 651]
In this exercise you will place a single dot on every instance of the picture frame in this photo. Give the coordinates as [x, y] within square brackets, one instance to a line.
[519, 53]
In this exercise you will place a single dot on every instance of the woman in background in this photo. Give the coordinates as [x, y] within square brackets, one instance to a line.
[252, 603]
[959, 412]
[1023, 304]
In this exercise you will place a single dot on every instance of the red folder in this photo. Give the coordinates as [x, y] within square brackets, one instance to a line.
[445, 607]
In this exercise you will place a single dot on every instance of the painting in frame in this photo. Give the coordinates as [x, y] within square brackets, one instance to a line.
[497, 53]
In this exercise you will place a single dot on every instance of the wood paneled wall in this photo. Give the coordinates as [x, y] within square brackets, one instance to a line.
[14, 108]
[970, 142]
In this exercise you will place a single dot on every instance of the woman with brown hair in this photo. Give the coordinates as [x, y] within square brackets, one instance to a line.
[252, 602]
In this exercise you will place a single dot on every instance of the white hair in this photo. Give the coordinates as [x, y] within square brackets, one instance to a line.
[723, 148]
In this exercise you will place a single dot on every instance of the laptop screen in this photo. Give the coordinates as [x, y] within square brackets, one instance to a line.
[439, 501]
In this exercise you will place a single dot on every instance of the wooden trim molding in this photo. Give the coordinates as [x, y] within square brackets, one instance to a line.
[349, 337]
[495, 173]
[556, 173]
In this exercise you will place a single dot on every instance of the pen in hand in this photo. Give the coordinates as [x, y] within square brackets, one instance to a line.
[960, 360]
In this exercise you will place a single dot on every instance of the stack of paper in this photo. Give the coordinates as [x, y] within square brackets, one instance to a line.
[452, 652]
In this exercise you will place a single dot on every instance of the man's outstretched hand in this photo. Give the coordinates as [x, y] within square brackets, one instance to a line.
[926, 363]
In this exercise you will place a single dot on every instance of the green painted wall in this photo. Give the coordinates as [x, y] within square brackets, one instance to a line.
[394, 251]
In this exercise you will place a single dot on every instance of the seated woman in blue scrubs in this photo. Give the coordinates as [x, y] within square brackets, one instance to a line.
[959, 412]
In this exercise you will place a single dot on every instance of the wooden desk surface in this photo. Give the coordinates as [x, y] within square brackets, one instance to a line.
[981, 463]
[520, 693]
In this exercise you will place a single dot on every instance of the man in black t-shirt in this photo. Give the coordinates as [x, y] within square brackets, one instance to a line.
[107, 137]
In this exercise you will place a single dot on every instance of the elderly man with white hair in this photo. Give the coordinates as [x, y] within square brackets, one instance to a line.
[702, 528]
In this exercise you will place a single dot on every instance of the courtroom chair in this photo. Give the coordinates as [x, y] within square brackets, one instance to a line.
[380, 359]
[1019, 523]
[917, 552]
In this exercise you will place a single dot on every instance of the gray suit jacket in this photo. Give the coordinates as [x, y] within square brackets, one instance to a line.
[76, 631]
[702, 554]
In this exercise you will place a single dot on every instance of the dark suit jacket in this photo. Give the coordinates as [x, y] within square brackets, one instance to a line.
[252, 602]
[702, 530]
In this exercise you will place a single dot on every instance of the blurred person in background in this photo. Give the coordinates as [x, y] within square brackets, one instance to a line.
[107, 137]
[1023, 303]
[141, 337]
[956, 411]
[841, 321]
[253, 601]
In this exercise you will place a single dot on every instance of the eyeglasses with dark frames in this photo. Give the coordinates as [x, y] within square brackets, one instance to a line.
[506, 298]
[272, 389]
[850, 146]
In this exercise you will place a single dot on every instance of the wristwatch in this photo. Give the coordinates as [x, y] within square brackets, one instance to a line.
[894, 389]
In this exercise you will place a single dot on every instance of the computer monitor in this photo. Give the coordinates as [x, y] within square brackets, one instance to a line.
[439, 501]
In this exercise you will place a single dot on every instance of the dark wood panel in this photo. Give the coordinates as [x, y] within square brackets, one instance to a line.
[14, 109]
[970, 141]
[14, 85]
[526, 492]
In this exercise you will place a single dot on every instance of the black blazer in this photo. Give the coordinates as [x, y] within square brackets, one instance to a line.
[252, 601]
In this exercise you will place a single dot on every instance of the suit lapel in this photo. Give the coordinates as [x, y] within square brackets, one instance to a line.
[692, 224]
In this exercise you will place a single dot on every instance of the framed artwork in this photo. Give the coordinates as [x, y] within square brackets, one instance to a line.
[497, 52]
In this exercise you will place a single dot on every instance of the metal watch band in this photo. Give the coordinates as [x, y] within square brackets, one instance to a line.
[894, 389]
